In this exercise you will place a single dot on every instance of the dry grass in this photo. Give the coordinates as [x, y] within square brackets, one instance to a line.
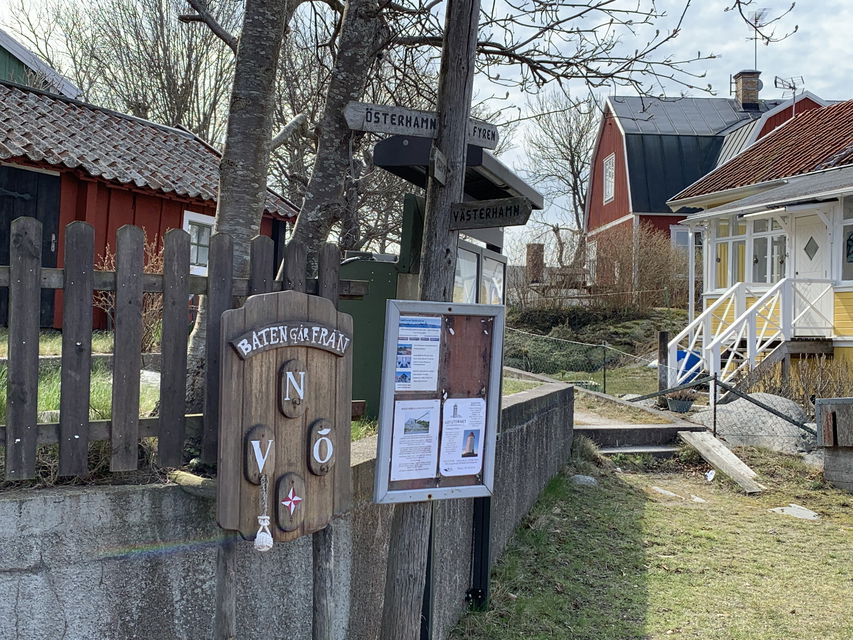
[593, 404]
[620, 561]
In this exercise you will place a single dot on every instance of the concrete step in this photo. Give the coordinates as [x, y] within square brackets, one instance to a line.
[621, 435]
[658, 451]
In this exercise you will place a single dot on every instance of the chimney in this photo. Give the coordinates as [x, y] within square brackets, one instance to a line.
[535, 262]
[747, 86]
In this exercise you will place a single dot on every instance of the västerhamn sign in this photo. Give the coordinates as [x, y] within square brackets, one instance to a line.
[505, 212]
[411, 122]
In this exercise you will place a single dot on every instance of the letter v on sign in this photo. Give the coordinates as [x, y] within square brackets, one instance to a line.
[259, 452]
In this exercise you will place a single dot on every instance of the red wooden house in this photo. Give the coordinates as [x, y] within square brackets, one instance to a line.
[63, 160]
[649, 149]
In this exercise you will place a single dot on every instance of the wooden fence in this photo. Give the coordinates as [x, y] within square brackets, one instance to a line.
[25, 278]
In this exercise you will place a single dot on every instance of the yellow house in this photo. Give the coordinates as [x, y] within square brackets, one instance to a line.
[776, 224]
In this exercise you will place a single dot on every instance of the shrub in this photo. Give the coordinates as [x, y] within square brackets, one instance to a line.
[152, 303]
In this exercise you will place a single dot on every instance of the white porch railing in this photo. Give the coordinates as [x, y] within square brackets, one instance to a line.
[730, 338]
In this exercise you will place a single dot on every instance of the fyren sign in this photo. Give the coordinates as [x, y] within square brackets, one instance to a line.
[411, 122]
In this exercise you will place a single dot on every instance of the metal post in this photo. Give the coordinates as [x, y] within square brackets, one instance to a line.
[604, 368]
[663, 363]
[713, 398]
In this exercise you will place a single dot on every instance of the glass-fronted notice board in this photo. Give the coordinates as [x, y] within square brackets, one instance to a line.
[440, 402]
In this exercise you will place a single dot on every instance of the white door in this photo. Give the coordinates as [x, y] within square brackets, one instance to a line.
[812, 305]
[811, 255]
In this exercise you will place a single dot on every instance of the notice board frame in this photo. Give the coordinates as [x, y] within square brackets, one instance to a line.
[439, 487]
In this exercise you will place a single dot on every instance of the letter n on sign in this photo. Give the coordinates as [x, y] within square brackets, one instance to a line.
[285, 407]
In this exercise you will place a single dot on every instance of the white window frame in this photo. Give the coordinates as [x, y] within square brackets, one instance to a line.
[191, 217]
[698, 236]
[730, 240]
[771, 234]
[609, 171]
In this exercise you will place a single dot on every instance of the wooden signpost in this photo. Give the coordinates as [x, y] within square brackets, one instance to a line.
[505, 212]
[378, 118]
[285, 408]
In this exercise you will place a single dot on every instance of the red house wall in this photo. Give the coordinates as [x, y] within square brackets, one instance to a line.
[803, 104]
[661, 223]
[610, 141]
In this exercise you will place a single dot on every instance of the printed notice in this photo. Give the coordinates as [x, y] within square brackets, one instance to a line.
[463, 430]
[418, 344]
[414, 448]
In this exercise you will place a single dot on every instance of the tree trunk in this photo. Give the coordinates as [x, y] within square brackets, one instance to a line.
[362, 32]
[407, 553]
[245, 159]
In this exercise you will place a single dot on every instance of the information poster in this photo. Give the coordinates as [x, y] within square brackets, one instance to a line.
[463, 429]
[440, 405]
[415, 442]
[418, 348]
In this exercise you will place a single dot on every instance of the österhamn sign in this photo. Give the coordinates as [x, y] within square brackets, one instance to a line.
[410, 122]
[505, 212]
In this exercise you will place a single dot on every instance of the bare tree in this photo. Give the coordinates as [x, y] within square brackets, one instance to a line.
[136, 57]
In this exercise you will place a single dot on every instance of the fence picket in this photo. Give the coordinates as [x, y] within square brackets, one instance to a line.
[76, 350]
[294, 267]
[173, 347]
[219, 299]
[22, 381]
[127, 352]
[261, 264]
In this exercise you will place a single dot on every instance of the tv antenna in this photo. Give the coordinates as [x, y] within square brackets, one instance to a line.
[792, 85]
[756, 21]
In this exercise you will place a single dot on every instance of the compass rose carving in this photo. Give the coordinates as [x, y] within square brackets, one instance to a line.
[291, 501]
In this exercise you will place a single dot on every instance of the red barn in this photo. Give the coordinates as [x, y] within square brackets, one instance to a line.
[649, 149]
[63, 160]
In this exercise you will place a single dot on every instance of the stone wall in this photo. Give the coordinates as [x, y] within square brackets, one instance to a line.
[126, 562]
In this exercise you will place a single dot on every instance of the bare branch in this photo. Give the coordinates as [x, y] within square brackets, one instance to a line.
[288, 130]
[204, 15]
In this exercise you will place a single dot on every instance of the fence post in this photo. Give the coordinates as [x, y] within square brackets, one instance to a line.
[663, 362]
[604, 368]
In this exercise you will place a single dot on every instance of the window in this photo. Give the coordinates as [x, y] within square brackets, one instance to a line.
[199, 226]
[766, 243]
[681, 238]
[729, 252]
[465, 281]
[769, 249]
[847, 241]
[609, 177]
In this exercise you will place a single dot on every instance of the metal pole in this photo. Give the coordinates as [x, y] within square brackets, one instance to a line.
[604, 368]
[714, 403]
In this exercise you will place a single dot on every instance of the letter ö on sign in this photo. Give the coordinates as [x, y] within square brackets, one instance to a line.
[292, 380]
[321, 447]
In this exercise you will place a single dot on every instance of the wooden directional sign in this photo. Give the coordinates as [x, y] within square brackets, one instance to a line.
[285, 409]
[410, 122]
[506, 212]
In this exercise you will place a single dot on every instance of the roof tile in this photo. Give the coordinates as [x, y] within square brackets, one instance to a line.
[815, 140]
[43, 127]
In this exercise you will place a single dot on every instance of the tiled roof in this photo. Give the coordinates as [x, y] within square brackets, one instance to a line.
[815, 140]
[46, 128]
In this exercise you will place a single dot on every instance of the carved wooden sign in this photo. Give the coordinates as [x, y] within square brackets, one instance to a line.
[379, 118]
[285, 410]
[504, 212]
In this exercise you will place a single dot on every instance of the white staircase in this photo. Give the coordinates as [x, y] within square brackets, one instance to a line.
[744, 325]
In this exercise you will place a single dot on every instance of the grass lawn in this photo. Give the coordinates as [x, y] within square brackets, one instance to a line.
[620, 380]
[50, 342]
[620, 561]
[605, 409]
[515, 385]
[100, 397]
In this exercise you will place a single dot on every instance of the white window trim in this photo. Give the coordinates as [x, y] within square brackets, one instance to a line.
[611, 159]
[197, 218]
